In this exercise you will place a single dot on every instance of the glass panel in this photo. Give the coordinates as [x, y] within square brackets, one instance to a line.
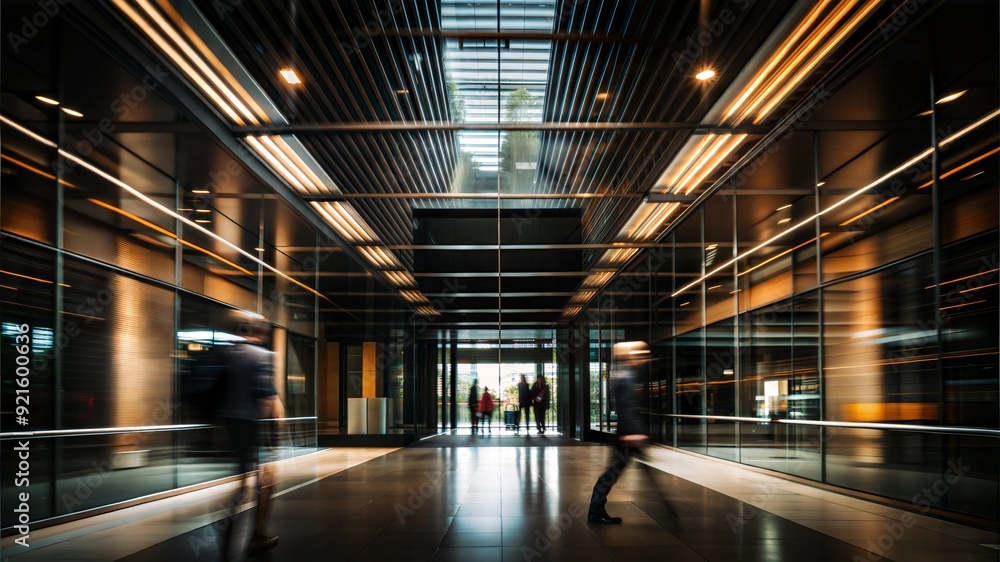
[720, 388]
[968, 315]
[690, 390]
[880, 364]
[300, 388]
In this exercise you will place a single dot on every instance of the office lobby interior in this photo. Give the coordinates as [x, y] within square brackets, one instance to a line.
[794, 203]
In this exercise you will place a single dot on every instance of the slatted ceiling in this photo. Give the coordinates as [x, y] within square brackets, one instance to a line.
[368, 62]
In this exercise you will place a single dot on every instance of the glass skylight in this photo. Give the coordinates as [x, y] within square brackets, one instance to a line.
[495, 80]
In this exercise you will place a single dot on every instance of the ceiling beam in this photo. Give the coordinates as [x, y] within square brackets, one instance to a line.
[409, 126]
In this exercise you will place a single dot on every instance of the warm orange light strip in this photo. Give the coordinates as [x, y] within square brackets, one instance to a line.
[961, 167]
[275, 164]
[339, 217]
[904, 361]
[985, 119]
[160, 207]
[828, 44]
[964, 278]
[31, 168]
[167, 7]
[289, 164]
[313, 181]
[979, 288]
[788, 251]
[193, 56]
[694, 154]
[961, 305]
[869, 211]
[715, 155]
[28, 277]
[179, 60]
[166, 232]
[778, 56]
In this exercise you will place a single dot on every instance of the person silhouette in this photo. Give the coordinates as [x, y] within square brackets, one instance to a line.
[627, 387]
[540, 402]
[250, 401]
[474, 405]
[486, 407]
[524, 404]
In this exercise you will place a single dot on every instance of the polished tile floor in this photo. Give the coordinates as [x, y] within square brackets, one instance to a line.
[524, 498]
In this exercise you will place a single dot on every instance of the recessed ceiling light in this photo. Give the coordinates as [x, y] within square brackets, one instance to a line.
[705, 74]
[200, 191]
[783, 207]
[784, 220]
[44, 99]
[202, 221]
[952, 97]
[259, 249]
[821, 184]
[203, 210]
[713, 287]
[685, 303]
[72, 112]
[290, 76]
[602, 95]
[402, 91]
[711, 246]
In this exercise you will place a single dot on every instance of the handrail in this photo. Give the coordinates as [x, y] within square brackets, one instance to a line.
[120, 430]
[983, 432]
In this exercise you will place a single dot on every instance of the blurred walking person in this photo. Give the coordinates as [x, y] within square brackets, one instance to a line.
[486, 408]
[628, 389]
[540, 402]
[523, 404]
[474, 413]
[250, 400]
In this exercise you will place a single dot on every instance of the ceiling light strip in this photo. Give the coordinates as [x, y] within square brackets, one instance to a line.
[989, 118]
[211, 56]
[794, 60]
[275, 164]
[828, 45]
[195, 57]
[333, 217]
[318, 184]
[777, 57]
[179, 60]
[293, 167]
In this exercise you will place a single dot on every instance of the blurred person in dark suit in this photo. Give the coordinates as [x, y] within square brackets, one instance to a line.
[628, 383]
[249, 408]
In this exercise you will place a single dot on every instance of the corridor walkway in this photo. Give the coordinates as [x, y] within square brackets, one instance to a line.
[450, 498]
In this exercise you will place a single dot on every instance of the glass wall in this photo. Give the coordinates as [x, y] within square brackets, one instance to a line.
[852, 336]
[120, 255]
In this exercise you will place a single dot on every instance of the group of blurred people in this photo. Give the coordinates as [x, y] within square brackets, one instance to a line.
[530, 398]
